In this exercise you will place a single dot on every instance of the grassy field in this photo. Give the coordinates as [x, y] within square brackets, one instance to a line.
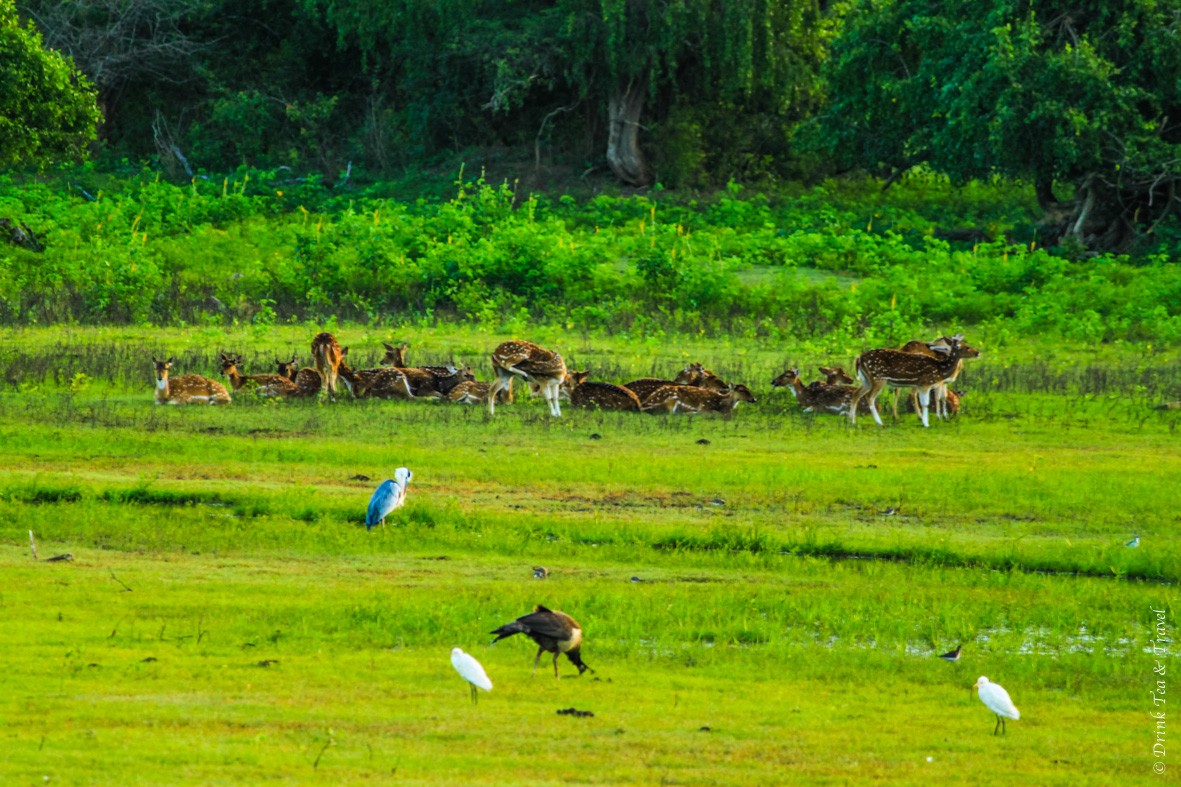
[227, 618]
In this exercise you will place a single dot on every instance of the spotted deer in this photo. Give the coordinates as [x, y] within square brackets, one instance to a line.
[307, 379]
[395, 356]
[644, 386]
[186, 388]
[931, 350]
[818, 397]
[696, 374]
[533, 364]
[878, 368]
[695, 399]
[833, 375]
[262, 384]
[326, 356]
[473, 392]
[604, 396]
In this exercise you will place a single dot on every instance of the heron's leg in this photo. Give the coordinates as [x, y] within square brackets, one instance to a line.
[475, 697]
[537, 660]
[998, 724]
[1002, 725]
[556, 664]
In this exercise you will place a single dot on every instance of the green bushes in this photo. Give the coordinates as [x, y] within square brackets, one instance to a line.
[837, 259]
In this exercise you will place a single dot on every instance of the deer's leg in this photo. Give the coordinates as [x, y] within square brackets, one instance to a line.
[553, 394]
[865, 388]
[924, 398]
[875, 390]
[941, 401]
[503, 380]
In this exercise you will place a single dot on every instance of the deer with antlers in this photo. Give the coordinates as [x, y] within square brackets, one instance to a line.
[326, 356]
[943, 398]
[533, 364]
[186, 388]
[878, 368]
[694, 399]
[262, 384]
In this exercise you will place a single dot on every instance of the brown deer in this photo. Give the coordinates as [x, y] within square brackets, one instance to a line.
[187, 388]
[395, 356]
[833, 375]
[472, 392]
[696, 374]
[327, 355]
[263, 384]
[818, 397]
[604, 396]
[952, 402]
[532, 363]
[644, 386]
[878, 368]
[307, 379]
[931, 350]
[694, 399]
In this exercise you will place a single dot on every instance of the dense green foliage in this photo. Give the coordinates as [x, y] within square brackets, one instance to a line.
[838, 262]
[47, 109]
[1083, 94]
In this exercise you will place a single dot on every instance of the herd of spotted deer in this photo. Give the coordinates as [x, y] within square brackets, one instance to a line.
[924, 367]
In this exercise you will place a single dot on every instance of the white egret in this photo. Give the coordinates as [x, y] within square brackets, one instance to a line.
[552, 631]
[470, 670]
[390, 495]
[997, 700]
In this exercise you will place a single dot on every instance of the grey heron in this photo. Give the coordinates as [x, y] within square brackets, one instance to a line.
[390, 495]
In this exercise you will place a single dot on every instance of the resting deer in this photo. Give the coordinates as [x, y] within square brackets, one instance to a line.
[532, 363]
[327, 355]
[818, 397]
[833, 375]
[187, 388]
[604, 396]
[694, 399]
[644, 386]
[472, 392]
[696, 374]
[394, 356]
[878, 368]
[307, 379]
[263, 384]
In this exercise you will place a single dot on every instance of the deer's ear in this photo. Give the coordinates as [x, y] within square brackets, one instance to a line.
[388, 347]
[959, 337]
[171, 359]
[942, 349]
[344, 351]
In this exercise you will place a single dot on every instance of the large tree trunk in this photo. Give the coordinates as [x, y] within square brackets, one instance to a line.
[623, 135]
[1109, 217]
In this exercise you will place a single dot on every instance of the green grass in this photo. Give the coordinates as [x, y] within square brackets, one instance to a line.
[227, 618]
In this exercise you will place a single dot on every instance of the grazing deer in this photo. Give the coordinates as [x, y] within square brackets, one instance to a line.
[878, 368]
[327, 355]
[307, 379]
[818, 397]
[694, 399]
[604, 396]
[532, 363]
[644, 386]
[263, 384]
[697, 375]
[187, 388]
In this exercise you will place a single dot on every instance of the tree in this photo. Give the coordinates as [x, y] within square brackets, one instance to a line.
[621, 63]
[1084, 94]
[47, 108]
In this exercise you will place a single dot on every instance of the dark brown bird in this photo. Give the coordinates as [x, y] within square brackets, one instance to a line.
[952, 655]
[552, 631]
